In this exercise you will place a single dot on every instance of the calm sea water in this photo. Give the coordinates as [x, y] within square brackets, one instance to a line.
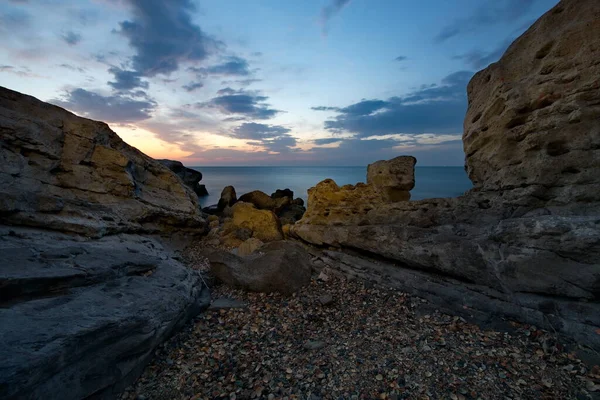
[430, 181]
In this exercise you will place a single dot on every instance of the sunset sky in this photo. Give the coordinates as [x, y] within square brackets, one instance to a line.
[264, 82]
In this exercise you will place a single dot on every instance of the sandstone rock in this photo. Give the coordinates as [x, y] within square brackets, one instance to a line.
[228, 198]
[62, 172]
[279, 267]
[394, 177]
[279, 193]
[525, 243]
[189, 176]
[81, 318]
[262, 224]
[249, 247]
[533, 116]
[262, 201]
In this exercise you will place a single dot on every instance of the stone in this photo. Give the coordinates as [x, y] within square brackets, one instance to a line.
[228, 198]
[291, 213]
[81, 318]
[249, 246]
[326, 299]
[62, 172]
[395, 175]
[281, 266]
[279, 193]
[262, 201]
[189, 176]
[224, 303]
[298, 202]
[524, 244]
[262, 224]
[314, 345]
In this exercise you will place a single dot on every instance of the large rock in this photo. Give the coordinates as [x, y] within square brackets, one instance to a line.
[261, 224]
[394, 178]
[63, 172]
[189, 176]
[263, 201]
[227, 199]
[81, 318]
[282, 267]
[524, 244]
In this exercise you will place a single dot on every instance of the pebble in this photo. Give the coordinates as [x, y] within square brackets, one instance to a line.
[314, 345]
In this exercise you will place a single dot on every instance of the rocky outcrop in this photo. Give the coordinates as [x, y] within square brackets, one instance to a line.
[190, 177]
[393, 179]
[524, 244]
[263, 201]
[62, 172]
[282, 267]
[84, 299]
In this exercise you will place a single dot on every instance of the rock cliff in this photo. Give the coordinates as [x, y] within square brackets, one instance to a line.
[84, 298]
[524, 244]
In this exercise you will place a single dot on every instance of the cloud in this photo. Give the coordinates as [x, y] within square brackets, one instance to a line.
[163, 36]
[115, 108]
[71, 38]
[126, 80]
[401, 58]
[438, 109]
[234, 66]
[20, 71]
[14, 19]
[241, 82]
[72, 67]
[491, 12]
[324, 141]
[324, 108]
[330, 10]
[274, 138]
[246, 104]
[192, 86]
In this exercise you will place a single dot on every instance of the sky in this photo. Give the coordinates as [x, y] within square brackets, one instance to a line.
[264, 82]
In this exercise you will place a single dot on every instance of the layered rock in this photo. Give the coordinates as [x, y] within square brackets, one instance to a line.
[80, 317]
[189, 176]
[524, 244]
[59, 171]
[281, 266]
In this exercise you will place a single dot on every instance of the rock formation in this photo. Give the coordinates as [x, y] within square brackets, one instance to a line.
[524, 244]
[85, 299]
[280, 266]
[189, 176]
[260, 224]
[228, 198]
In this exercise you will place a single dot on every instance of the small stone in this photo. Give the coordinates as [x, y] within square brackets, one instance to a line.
[591, 386]
[379, 377]
[325, 299]
[271, 396]
[314, 345]
[428, 374]
[323, 277]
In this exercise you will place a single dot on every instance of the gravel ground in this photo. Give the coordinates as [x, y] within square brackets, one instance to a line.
[341, 339]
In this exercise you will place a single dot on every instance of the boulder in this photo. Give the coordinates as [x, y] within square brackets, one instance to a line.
[249, 247]
[80, 318]
[281, 266]
[228, 198]
[62, 172]
[262, 224]
[291, 213]
[298, 201]
[394, 178]
[279, 193]
[190, 177]
[262, 201]
[524, 244]
[84, 299]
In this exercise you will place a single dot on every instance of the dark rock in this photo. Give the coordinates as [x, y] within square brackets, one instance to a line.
[291, 213]
[262, 201]
[279, 267]
[228, 198]
[224, 303]
[211, 210]
[81, 318]
[279, 193]
[190, 177]
[326, 300]
[314, 345]
[298, 202]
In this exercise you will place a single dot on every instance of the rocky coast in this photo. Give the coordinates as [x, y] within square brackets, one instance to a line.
[114, 283]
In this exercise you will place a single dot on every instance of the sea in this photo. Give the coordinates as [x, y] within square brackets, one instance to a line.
[431, 182]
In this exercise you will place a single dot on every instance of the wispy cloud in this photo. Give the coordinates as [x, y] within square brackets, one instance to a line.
[329, 11]
[71, 38]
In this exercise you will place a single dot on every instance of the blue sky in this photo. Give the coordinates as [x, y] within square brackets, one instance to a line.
[264, 82]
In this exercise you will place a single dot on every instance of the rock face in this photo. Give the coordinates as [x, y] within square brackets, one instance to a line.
[393, 178]
[263, 201]
[82, 318]
[62, 172]
[282, 267]
[189, 176]
[524, 244]
[85, 300]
